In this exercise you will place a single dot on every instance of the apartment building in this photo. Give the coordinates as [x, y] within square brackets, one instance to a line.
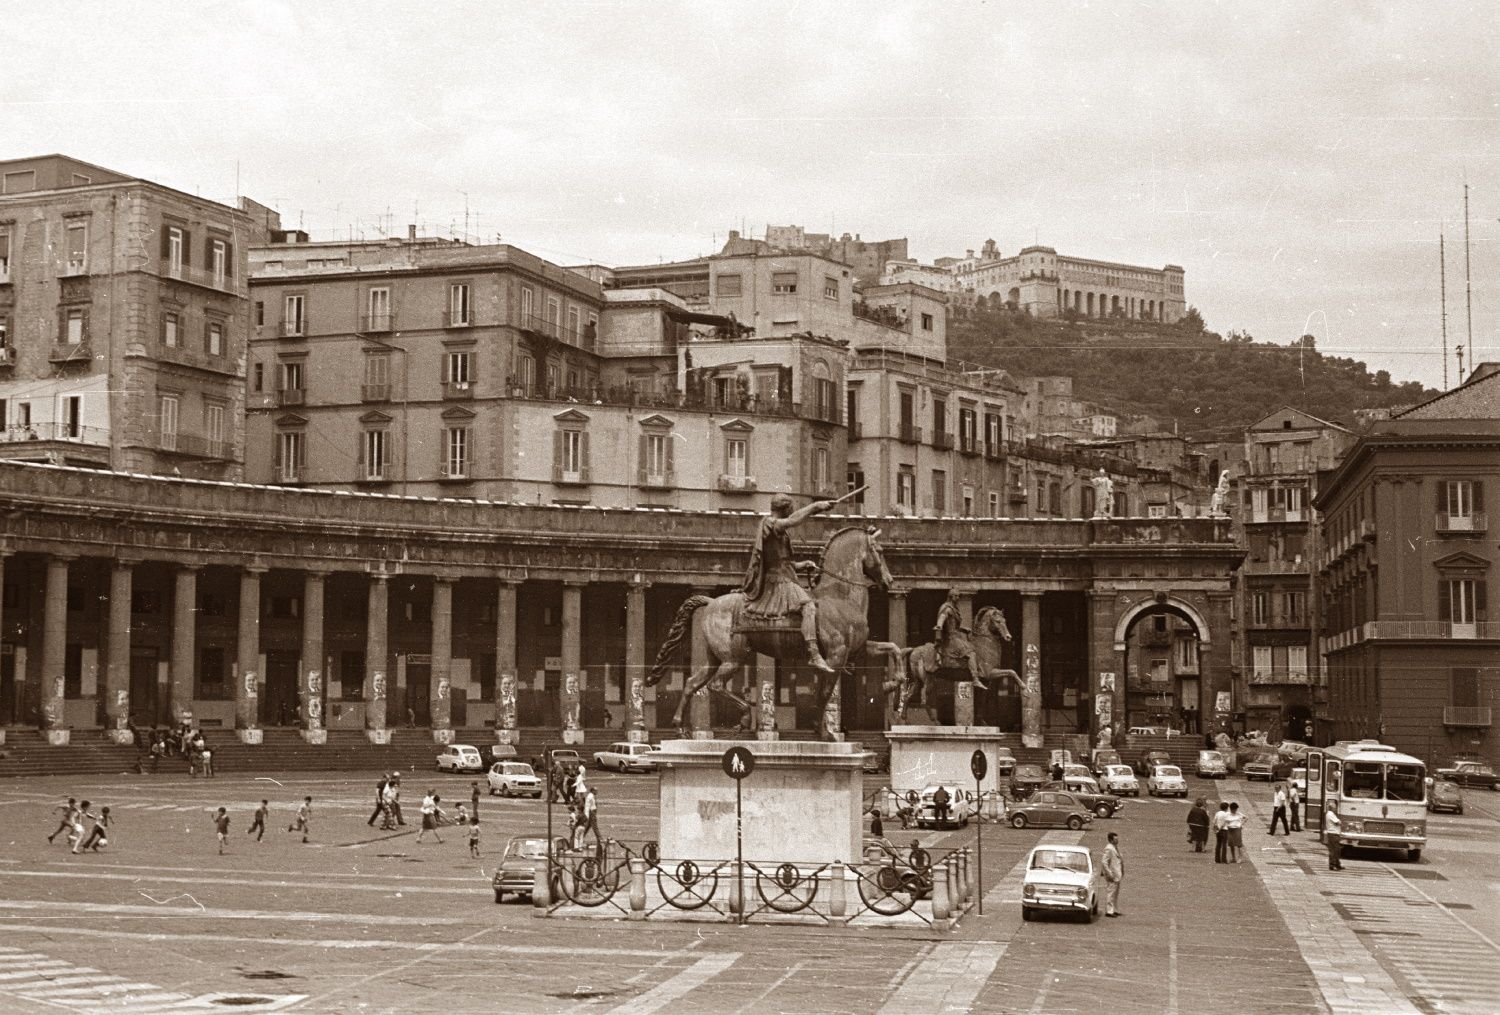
[124, 315]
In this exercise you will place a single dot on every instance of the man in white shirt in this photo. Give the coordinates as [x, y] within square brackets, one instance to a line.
[1333, 834]
[1221, 834]
[1278, 811]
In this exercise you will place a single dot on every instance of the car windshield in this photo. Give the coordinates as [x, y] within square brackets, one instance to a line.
[516, 768]
[1120, 771]
[1060, 860]
[533, 848]
[1169, 771]
[1028, 772]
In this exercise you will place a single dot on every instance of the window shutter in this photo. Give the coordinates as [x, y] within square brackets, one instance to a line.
[583, 454]
[207, 331]
[671, 469]
[1445, 608]
[166, 243]
[1479, 495]
[277, 445]
[187, 249]
[1442, 497]
[229, 260]
[1479, 600]
[645, 445]
[557, 455]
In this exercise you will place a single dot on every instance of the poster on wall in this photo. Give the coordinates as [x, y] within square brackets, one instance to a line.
[1222, 702]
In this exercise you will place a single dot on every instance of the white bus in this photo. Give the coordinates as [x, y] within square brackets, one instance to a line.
[1379, 794]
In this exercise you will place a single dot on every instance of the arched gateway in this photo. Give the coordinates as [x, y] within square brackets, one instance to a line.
[140, 599]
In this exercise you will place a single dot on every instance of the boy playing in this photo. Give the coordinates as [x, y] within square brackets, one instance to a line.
[258, 824]
[474, 835]
[221, 823]
[96, 837]
[76, 838]
[65, 822]
[303, 823]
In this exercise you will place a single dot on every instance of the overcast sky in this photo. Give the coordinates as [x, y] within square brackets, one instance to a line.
[1296, 159]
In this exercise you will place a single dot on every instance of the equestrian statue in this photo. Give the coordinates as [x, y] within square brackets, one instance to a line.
[956, 653]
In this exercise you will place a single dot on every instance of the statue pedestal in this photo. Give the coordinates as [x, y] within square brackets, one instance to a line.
[638, 736]
[767, 735]
[507, 736]
[318, 736]
[572, 737]
[380, 737]
[253, 737]
[121, 738]
[791, 781]
[59, 738]
[442, 736]
[924, 755]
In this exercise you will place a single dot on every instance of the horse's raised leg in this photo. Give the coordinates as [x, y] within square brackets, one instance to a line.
[690, 687]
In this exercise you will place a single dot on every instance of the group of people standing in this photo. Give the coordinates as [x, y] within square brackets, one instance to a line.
[184, 740]
[1228, 822]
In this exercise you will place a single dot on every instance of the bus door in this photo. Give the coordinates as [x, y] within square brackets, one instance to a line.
[1312, 800]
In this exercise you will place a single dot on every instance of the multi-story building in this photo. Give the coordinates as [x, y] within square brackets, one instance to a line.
[123, 321]
[866, 258]
[1411, 651]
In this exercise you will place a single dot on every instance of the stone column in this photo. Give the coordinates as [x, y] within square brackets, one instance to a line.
[247, 648]
[440, 689]
[1031, 669]
[1106, 669]
[963, 690]
[310, 692]
[377, 614]
[117, 664]
[570, 700]
[700, 717]
[635, 662]
[184, 645]
[507, 722]
[54, 651]
[895, 625]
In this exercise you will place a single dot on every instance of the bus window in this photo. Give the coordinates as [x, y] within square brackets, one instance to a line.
[1404, 782]
[1362, 780]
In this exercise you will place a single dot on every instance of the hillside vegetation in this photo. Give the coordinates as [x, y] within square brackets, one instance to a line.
[1210, 385]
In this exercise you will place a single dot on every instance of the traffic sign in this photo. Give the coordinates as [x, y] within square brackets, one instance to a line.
[738, 762]
[978, 764]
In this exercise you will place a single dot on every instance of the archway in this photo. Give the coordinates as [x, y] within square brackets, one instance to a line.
[1159, 644]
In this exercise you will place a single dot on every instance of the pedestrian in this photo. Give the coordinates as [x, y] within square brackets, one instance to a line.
[1235, 829]
[158, 748]
[1333, 834]
[474, 835]
[461, 819]
[379, 810]
[1114, 873]
[877, 827]
[1197, 822]
[589, 809]
[258, 823]
[394, 792]
[75, 838]
[389, 807]
[207, 757]
[1057, 771]
[1221, 833]
[303, 822]
[98, 834]
[65, 814]
[1278, 811]
[474, 799]
[940, 799]
[221, 826]
[1294, 804]
[430, 814]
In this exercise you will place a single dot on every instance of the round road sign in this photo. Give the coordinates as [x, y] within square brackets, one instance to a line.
[738, 762]
[979, 764]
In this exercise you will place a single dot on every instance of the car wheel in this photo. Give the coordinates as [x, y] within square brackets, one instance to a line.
[499, 896]
[1459, 811]
[1018, 820]
[1414, 855]
[1103, 811]
[1027, 914]
[1075, 822]
[1094, 906]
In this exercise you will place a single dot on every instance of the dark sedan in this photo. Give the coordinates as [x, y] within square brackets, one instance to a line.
[1443, 795]
[517, 871]
[1025, 779]
[1103, 805]
[1470, 773]
[1049, 809]
[1149, 759]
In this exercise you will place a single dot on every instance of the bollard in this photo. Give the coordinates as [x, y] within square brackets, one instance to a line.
[541, 893]
[965, 886]
[736, 892]
[837, 900]
[971, 869]
[955, 889]
[637, 889]
[941, 909]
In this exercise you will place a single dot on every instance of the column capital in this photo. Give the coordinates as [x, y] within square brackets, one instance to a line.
[1029, 594]
[188, 568]
[444, 579]
[254, 569]
[897, 593]
[378, 576]
[314, 573]
[575, 583]
[62, 558]
[121, 563]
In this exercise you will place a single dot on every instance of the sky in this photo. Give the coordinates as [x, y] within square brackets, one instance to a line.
[1297, 160]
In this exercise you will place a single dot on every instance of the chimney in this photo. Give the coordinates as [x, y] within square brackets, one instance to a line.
[411, 233]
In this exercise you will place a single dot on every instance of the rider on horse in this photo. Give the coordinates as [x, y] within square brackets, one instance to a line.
[950, 636]
[772, 591]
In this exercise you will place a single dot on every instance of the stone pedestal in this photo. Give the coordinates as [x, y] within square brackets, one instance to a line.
[572, 737]
[638, 736]
[59, 738]
[380, 736]
[801, 803]
[924, 755]
[121, 738]
[315, 736]
[444, 736]
[254, 737]
[508, 736]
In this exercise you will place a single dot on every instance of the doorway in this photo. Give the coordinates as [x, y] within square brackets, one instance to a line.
[10, 693]
[279, 706]
[143, 697]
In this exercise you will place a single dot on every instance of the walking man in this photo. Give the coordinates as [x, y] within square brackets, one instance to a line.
[65, 822]
[1278, 811]
[474, 799]
[1294, 803]
[303, 821]
[1114, 872]
[258, 824]
[379, 800]
[393, 798]
[1333, 833]
[1221, 833]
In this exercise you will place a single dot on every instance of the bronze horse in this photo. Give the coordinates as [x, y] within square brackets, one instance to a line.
[919, 665]
[852, 561]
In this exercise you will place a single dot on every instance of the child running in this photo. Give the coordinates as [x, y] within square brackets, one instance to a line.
[258, 823]
[98, 833]
[65, 821]
[221, 825]
[303, 823]
[79, 816]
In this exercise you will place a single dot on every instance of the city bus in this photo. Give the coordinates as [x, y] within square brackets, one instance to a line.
[1379, 794]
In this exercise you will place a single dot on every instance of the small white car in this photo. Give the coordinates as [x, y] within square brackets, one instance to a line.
[513, 778]
[626, 757]
[1060, 879]
[1120, 780]
[1077, 771]
[1299, 779]
[1166, 780]
[460, 758]
[1212, 765]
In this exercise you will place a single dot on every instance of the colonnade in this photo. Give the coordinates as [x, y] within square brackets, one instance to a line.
[1091, 304]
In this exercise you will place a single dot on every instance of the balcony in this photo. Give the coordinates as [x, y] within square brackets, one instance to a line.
[458, 318]
[454, 471]
[291, 396]
[994, 451]
[1467, 716]
[68, 432]
[655, 480]
[296, 328]
[1294, 566]
[374, 324]
[1280, 678]
[289, 473]
[70, 353]
[7, 356]
[374, 392]
[1429, 629]
[75, 267]
[193, 445]
[570, 477]
[910, 434]
[1016, 495]
[458, 390]
[968, 445]
[204, 277]
[582, 338]
[1473, 523]
[736, 484]
[4, 274]
[942, 441]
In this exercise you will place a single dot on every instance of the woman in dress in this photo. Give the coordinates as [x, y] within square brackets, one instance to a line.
[1197, 821]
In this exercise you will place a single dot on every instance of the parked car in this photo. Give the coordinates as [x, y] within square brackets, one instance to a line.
[1025, 779]
[1103, 758]
[1443, 795]
[1144, 731]
[1293, 750]
[1048, 808]
[1090, 795]
[1060, 879]
[516, 872]
[1212, 765]
[491, 753]
[1166, 780]
[1074, 770]
[513, 778]
[1005, 762]
[958, 811]
[1259, 767]
[1149, 759]
[1121, 781]
[1470, 773]
[626, 757]
[460, 758]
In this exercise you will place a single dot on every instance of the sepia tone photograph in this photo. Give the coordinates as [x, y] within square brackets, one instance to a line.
[753, 508]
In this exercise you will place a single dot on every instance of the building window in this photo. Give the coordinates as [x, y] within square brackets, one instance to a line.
[1460, 506]
[1041, 495]
[939, 491]
[18, 182]
[258, 377]
[1260, 608]
[727, 285]
[374, 453]
[737, 457]
[574, 335]
[1295, 604]
[378, 309]
[294, 315]
[167, 421]
[527, 379]
[170, 322]
[827, 400]
[851, 411]
[571, 455]
[906, 490]
[926, 322]
[213, 426]
[854, 479]
[784, 282]
[377, 369]
[968, 502]
[260, 313]
[456, 368]
[215, 338]
[1296, 660]
[554, 314]
[176, 244]
[456, 452]
[77, 247]
[1054, 497]
[821, 480]
[1462, 601]
[968, 425]
[1261, 661]
[656, 457]
[994, 500]
[218, 255]
[458, 304]
[939, 420]
[830, 288]
[74, 330]
[291, 376]
[72, 416]
[4, 254]
[211, 672]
